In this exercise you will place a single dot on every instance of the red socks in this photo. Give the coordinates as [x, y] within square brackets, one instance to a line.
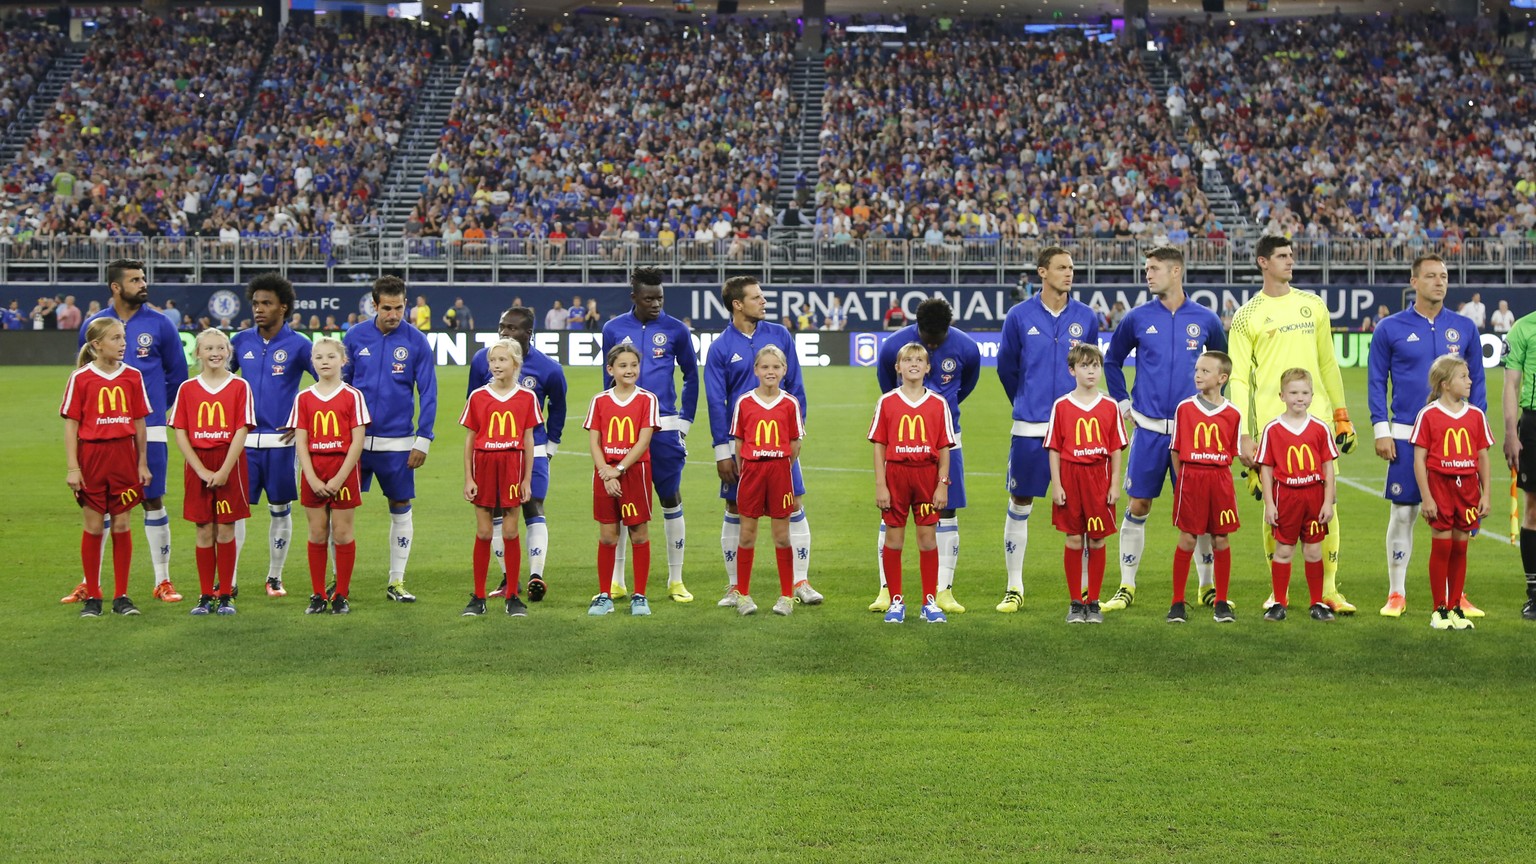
[744, 569]
[90, 563]
[227, 557]
[206, 562]
[606, 555]
[481, 565]
[1223, 573]
[1181, 562]
[891, 559]
[786, 558]
[513, 548]
[316, 569]
[640, 555]
[928, 567]
[1072, 566]
[1439, 570]
[346, 556]
[122, 560]
[1314, 571]
[1095, 573]
[1280, 581]
[1458, 576]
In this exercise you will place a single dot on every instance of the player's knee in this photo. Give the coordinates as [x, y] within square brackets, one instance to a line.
[225, 533]
[205, 534]
[1186, 542]
[1282, 554]
[1312, 552]
[154, 503]
[533, 508]
[1023, 502]
[1096, 543]
[672, 501]
[1220, 543]
[639, 535]
[1139, 507]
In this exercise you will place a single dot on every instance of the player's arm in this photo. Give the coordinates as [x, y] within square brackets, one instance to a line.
[1058, 494]
[720, 417]
[1479, 378]
[1240, 386]
[141, 444]
[479, 369]
[1427, 508]
[526, 481]
[189, 456]
[471, 488]
[354, 453]
[1267, 488]
[1216, 337]
[941, 489]
[970, 371]
[608, 343]
[554, 416]
[1116, 481]
[1008, 356]
[173, 363]
[885, 366]
[1483, 479]
[1333, 382]
[882, 492]
[72, 476]
[1120, 344]
[688, 359]
[234, 455]
[1512, 416]
[426, 390]
[1379, 369]
[1331, 491]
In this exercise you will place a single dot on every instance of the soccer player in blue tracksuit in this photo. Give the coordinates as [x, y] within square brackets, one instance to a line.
[728, 374]
[154, 348]
[954, 367]
[1032, 365]
[391, 363]
[1168, 334]
[664, 344]
[542, 375]
[273, 359]
[1403, 348]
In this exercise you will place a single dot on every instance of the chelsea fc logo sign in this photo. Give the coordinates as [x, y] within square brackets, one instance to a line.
[224, 304]
[1075, 330]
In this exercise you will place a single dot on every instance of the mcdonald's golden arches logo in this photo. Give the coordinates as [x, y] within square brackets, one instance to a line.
[502, 425]
[628, 511]
[621, 430]
[1299, 457]
[766, 434]
[788, 502]
[1457, 442]
[1470, 515]
[111, 398]
[925, 509]
[1226, 517]
[912, 427]
[1314, 527]
[324, 423]
[1208, 437]
[222, 508]
[1095, 523]
[1088, 431]
[127, 496]
[512, 491]
[344, 494]
[207, 412]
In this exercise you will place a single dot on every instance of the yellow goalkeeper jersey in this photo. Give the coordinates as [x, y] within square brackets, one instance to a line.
[1272, 334]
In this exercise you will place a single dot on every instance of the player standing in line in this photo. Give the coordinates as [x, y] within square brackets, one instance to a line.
[1520, 433]
[1281, 328]
[273, 359]
[328, 421]
[729, 374]
[391, 365]
[1202, 447]
[620, 424]
[1404, 348]
[767, 426]
[1450, 461]
[155, 351]
[954, 368]
[498, 469]
[542, 376]
[104, 407]
[1168, 334]
[1296, 456]
[1033, 368]
[913, 433]
[213, 417]
[664, 343]
[1085, 475]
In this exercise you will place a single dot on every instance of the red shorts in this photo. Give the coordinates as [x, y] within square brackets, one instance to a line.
[633, 506]
[1298, 508]
[499, 479]
[1204, 501]
[109, 471]
[911, 488]
[326, 465]
[1457, 497]
[767, 488]
[228, 503]
[1087, 510]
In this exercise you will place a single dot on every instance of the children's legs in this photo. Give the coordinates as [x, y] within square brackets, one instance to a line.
[1072, 565]
[122, 554]
[730, 543]
[227, 556]
[91, 543]
[1182, 556]
[1280, 571]
[1458, 575]
[319, 536]
[1439, 568]
[346, 550]
[607, 552]
[745, 543]
[928, 560]
[890, 557]
[481, 562]
[1095, 568]
[1205, 558]
[207, 558]
[640, 539]
[512, 542]
[1316, 583]
[1221, 550]
[620, 556]
[786, 555]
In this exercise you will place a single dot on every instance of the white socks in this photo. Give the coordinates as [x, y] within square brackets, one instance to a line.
[537, 544]
[499, 544]
[1015, 540]
[1400, 524]
[279, 537]
[239, 547]
[880, 554]
[1133, 539]
[1205, 561]
[402, 530]
[157, 530]
[730, 538]
[800, 542]
[619, 556]
[949, 551]
[676, 531]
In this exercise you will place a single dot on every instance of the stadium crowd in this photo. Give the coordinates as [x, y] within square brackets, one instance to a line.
[26, 52]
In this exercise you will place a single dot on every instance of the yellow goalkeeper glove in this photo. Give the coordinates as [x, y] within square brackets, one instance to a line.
[1343, 431]
[1255, 485]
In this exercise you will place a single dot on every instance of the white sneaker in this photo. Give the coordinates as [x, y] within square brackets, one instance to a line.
[804, 593]
[784, 606]
[731, 597]
[744, 604]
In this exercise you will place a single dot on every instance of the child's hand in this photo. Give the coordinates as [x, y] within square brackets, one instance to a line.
[217, 478]
[316, 485]
[471, 489]
[606, 473]
[883, 496]
[1482, 505]
[1114, 494]
[145, 477]
[1428, 510]
[1271, 514]
[1325, 513]
[613, 487]
[941, 497]
[1059, 496]
[73, 480]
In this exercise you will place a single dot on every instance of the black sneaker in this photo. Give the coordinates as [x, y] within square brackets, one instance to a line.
[316, 605]
[1223, 613]
[536, 589]
[476, 606]
[1176, 614]
[1094, 614]
[1320, 612]
[339, 606]
[516, 607]
[219, 589]
[1528, 612]
[1077, 613]
[501, 590]
[1275, 612]
[226, 605]
[124, 606]
[91, 608]
[204, 605]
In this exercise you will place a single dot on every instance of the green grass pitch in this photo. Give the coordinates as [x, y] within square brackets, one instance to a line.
[405, 733]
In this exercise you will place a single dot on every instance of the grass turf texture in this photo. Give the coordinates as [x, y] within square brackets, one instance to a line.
[406, 733]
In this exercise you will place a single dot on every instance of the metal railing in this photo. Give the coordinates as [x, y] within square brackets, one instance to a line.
[539, 260]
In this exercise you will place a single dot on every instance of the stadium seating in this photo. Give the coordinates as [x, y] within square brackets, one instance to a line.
[26, 52]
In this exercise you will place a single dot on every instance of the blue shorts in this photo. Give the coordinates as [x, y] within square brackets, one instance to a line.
[273, 471]
[1029, 467]
[668, 455]
[396, 479]
[539, 487]
[728, 490]
[956, 479]
[158, 455]
[1148, 464]
[1402, 486]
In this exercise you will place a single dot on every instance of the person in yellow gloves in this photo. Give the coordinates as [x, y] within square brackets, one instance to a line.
[1277, 329]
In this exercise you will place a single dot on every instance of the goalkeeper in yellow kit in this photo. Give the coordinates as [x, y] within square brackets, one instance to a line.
[1279, 329]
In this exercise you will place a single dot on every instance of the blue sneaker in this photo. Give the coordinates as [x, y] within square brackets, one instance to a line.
[225, 606]
[932, 613]
[204, 606]
[638, 605]
[602, 604]
[897, 613]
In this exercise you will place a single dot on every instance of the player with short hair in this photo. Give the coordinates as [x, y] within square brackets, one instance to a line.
[665, 345]
[1032, 366]
[1202, 447]
[913, 433]
[214, 414]
[1450, 462]
[767, 426]
[392, 366]
[1520, 433]
[273, 358]
[154, 349]
[1404, 348]
[542, 376]
[953, 370]
[1296, 475]
[1280, 328]
[729, 374]
[620, 424]
[107, 462]
[498, 467]
[1169, 333]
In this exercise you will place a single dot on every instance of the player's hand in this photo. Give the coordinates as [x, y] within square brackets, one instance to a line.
[1246, 448]
[1325, 514]
[1255, 483]
[941, 497]
[415, 460]
[1482, 506]
[145, 477]
[613, 488]
[1512, 452]
[218, 478]
[287, 438]
[551, 448]
[1344, 431]
[74, 480]
[1059, 496]
[1428, 509]
[1386, 448]
[1271, 514]
[471, 489]
[883, 496]
[726, 468]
